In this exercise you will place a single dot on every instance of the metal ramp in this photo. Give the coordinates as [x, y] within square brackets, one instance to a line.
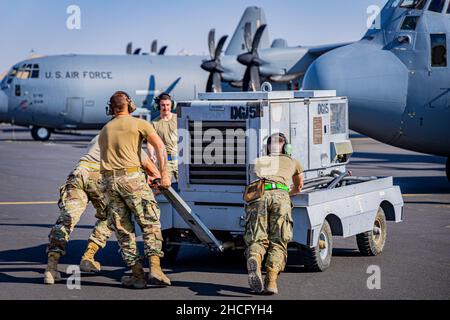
[193, 221]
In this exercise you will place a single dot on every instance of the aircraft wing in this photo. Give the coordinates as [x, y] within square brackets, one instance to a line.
[320, 50]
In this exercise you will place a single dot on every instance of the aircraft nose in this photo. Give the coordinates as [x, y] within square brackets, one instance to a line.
[3, 106]
[375, 82]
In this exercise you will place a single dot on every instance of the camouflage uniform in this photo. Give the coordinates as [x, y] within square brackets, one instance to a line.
[82, 186]
[168, 132]
[172, 169]
[269, 228]
[129, 195]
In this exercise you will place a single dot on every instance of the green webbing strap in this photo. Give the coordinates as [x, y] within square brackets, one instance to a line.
[274, 186]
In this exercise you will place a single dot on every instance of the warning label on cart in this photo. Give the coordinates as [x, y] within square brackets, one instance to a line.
[317, 130]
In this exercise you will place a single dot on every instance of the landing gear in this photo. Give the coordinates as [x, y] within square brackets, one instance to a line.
[40, 133]
[447, 169]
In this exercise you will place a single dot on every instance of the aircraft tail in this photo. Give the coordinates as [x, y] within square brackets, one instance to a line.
[256, 17]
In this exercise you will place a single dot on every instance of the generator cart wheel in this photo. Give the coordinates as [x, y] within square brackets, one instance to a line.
[319, 257]
[371, 243]
[170, 250]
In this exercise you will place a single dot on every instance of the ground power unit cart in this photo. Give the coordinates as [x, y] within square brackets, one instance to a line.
[221, 135]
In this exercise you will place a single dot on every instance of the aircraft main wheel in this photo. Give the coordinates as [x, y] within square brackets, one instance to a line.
[371, 243]
[447, 169]
[40, 133]
[319, 257]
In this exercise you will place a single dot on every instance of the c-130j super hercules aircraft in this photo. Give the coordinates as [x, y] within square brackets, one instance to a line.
[396, 77]
[70, 91]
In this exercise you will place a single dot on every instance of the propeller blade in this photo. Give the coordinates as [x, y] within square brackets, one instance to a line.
[220, 47]
[255, 82]
[129, 48]
[210, 83]
[212, 42]
[162, 51]
[137, 51]
[257, 38]
[248, 36]
[246, 80]
[217, 82]
[154, 47]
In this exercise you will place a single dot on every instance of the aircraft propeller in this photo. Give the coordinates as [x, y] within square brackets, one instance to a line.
[214, 66]
[154, 48]
[250, 59]
[129, 49]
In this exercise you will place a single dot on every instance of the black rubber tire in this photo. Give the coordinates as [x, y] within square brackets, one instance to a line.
[370, 244]
[447, 169]
[312, 259]
[36, 136]
[170, 251]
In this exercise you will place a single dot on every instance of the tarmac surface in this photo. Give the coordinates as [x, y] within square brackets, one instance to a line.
[415, 263]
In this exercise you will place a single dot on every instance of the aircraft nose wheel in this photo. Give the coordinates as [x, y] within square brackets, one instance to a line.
[40, 133]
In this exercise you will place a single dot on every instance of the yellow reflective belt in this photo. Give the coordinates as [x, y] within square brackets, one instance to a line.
[90, 165]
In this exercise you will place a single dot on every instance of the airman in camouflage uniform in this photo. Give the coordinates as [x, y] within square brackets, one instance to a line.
[82, 186]
[269, 219]
[128, 192]
[166, 128]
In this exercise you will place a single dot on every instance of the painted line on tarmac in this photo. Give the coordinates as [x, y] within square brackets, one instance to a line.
[419, 195]
[361, 139]
[26, 203]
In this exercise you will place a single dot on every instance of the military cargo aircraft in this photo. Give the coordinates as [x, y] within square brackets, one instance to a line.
[397, 77]
[70, 91]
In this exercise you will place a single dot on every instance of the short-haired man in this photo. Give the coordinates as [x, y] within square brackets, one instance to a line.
[128, 191]
[166, 128]
[269, 217]
[82, 186]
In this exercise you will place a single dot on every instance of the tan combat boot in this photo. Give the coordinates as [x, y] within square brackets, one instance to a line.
[88, 264]
[255, 280]
[270, 283]
[51, 273]
[156, 276]
[137, 279]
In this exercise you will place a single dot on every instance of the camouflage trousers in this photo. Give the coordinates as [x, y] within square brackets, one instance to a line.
[172, 169]
[82, 186]
[129, 196]
[269, 228]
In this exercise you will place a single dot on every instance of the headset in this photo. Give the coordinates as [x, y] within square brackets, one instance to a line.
[287, 147]
[164, 96]
[131, 105]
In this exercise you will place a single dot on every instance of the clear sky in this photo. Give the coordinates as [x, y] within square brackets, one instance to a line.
[108, 25]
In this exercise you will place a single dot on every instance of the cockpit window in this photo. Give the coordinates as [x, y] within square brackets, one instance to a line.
[11, 75]
[26, 71]
[436, 6]
[438, 50]
[410, 23]
[413, 4]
